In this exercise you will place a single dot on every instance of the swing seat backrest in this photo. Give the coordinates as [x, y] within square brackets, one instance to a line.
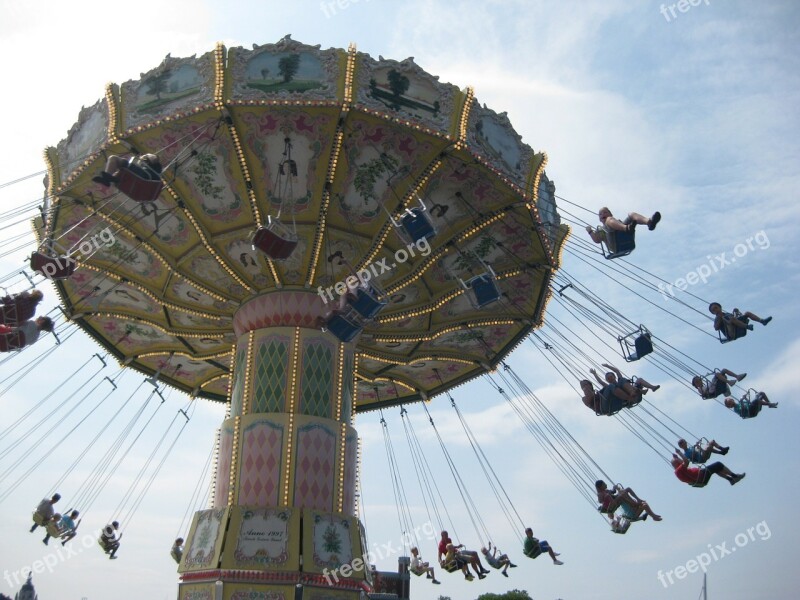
[275, 241]
[366, 303]
[52, 267]
[642, 345]
[738, 332]
[138, 188]
[343, 328]
[417, 225]
[451, 567]
[620, 243]
[484, 288]
[53, 530]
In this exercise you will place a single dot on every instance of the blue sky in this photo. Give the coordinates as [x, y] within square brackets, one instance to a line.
[695, 116]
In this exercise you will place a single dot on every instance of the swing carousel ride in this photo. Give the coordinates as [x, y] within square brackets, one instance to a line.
[331, 234]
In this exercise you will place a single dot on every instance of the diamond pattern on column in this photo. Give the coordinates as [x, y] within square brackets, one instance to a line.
[262, 444]
[316, 379]
[272, 360]
[314, 472]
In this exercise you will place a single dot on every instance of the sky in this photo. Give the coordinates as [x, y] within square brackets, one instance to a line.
[692, 113]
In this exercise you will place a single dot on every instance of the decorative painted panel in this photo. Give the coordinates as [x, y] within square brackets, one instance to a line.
[261, 463]
[314, 466]
[271, 356]
[316, 374]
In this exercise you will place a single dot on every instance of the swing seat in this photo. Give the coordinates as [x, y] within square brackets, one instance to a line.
[637, 344]
[14, 340]
[619, 244]
[342, 327]
[451, 567]
[754, 406]
[417, 225]
[53, 530]
[735, 333]
[275, 240]
[52, 267]
[366, 303]
[138, 188]
[484, 289]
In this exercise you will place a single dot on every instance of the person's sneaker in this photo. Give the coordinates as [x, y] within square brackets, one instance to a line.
[737, 478]
[505, 574]
[557, 562]
[656, 388]
[46, 541]
[429, 576]
[654, 220]
[112, 558]
[749, 327]
[724, 450]
[740, 377]
[481, 576]
[436, 582]
[468, 577]
[485, 571]
[34, 528]
[766, 321]
[773, 405]
[512, 565]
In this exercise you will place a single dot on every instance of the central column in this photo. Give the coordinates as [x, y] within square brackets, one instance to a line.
[283, 523]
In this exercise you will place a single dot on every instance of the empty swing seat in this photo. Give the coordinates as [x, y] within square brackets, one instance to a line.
[620, 243]
[484, 289]
[639, 346]
[342, 328]
[52, 267]
[366, 303]
[417, 225]
[138, 188]
[275, 241]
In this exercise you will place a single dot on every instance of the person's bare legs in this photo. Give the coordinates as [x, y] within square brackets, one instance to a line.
[757, 319]
[623, 395]
[647, 384]
[114, 164]
[762, 398]
[642, 220]
[615, 224]
[629, 496]
[721, 375]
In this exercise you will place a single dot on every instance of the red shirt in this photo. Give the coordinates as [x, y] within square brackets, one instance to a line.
[687, 474]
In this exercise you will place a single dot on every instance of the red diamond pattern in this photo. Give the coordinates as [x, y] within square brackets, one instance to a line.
[262, 444]
[290, 309]
[314, 473]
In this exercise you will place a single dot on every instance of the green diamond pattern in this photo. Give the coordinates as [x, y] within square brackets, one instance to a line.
[272, 359]
[315, 393]
[238, 382]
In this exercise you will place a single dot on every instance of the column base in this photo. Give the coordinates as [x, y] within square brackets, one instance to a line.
[273, 553]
